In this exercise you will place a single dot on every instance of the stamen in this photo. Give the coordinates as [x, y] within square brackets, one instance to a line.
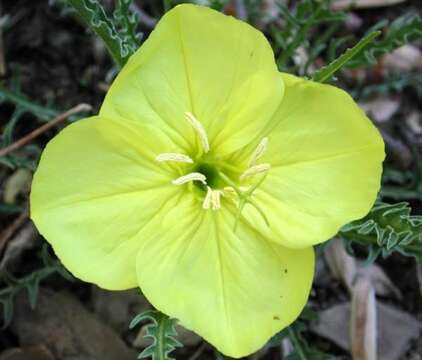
[207, 201]
[212, 199]
[197, 126]
[256, 169]
[215, 199]
[195, 176]
[259, 151]
[230, 189]
[174, 157]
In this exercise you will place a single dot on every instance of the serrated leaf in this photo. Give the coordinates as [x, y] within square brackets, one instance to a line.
[162, 331]
[401, 31]
[30, 283]
[327, 72]
[387, 228]
[118, 33]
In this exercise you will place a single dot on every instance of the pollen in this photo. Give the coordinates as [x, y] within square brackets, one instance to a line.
[174, 157]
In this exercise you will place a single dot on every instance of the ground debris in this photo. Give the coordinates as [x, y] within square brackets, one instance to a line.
[395, 329]
[66, 328]
[37, 352]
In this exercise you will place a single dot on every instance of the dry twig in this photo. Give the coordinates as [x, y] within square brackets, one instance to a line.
[11, 229]
[32, 135]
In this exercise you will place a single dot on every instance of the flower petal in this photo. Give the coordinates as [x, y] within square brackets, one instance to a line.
[200, 61]
[326, 159]
[235, 289]
[96, 187]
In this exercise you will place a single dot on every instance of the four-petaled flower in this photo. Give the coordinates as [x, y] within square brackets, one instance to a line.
[206, 178]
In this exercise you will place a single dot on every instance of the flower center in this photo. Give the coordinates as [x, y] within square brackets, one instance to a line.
[212, 178]
[211, 174]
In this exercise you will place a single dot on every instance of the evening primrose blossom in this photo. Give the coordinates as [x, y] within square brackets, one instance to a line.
[206, 178]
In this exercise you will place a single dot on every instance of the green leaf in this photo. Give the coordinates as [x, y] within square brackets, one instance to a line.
[302, 350]
[326, 72]
[401, 31]
[118, 33]
[162, 331]
[303, 28]
[29, 282]
[387, 228]
[25, 105]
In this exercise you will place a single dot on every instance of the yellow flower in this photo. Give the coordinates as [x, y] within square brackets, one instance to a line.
[206, 178]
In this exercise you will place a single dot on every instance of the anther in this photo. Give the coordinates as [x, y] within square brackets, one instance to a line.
[256, 169]
[215, 199]
[259, 151]
[174, 157]
[207, 201]
[197, 126]
[195, 176]
[212, 199]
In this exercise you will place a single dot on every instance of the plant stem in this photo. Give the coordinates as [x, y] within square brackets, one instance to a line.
[296, 343]
[32, 135]
[326, 72]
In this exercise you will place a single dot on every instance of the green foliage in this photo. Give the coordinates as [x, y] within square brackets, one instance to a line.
[312, 26]
[299, 24]
[118, 32]
[218, 4]
[302, 350]
[167, 5]
[127, 23]
[22, 105]
[403, 185]
[29, 282]
[394, 83]
[327, 72]
[219, 356]
[387, 228]
[162, 331]
[401, 31]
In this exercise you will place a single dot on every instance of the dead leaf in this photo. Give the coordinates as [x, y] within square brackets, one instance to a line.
[381, 108]
[404, 58]
[340, 263]
[268, 12]
[118, 308]
[363, 321]
[24, 239]
[38, 352]
[395, 329]
[345, 268]
[18, 183]
[382, 284]
[414, 121]
[66, 328]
